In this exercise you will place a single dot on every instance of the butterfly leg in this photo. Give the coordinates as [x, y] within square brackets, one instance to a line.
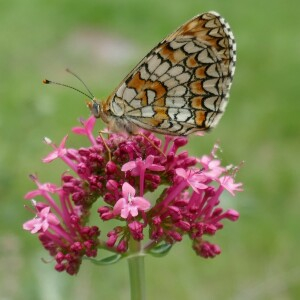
[105, 144]
[151, 143]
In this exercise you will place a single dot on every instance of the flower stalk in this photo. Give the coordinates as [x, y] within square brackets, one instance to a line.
[136, 271]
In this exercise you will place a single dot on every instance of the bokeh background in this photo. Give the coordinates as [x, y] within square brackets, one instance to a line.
[102, 41]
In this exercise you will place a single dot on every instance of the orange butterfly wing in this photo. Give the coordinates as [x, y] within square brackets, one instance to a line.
[182, 85]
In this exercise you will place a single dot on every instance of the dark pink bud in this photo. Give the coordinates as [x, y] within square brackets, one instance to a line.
[153, 178]
[95, 182]
[219, 225]
[59, 257]
[88, 245]
[78, 197]
[157, 233]
[122, 247]
[112, 238]
[210, 229]
[111, 167]
[39, 206]
[74, 219]
[156, 220]
[136, 230]
[180, 202]
[112, 185]
[175, 235]
[175, 213]
[208, 250]
[170, 156]
[72, 269]
[59, 267]
[103, 209]
[180, 141]
[91, 253]
[111, 241]
[232, 215]
[94, 231]
[85, 230]
[109, 198]
[76, 247]
[183, 155]
[66, 178]
[72, 154]
[190, 161]
[210, 191]
[69, 187]
[94, 157]
[107, 216]
[84, 151]
[185, 226]
[217, 212]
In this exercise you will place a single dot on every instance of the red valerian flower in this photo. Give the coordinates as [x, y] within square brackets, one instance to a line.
[129, 205]
[117, 176]
[42, 221]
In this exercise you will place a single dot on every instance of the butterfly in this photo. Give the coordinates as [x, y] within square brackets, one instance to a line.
[181, 86]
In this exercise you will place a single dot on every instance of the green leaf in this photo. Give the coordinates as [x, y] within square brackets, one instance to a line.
[105, 261]
[160, 250]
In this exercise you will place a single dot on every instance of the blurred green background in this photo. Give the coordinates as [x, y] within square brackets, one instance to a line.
[102, 41]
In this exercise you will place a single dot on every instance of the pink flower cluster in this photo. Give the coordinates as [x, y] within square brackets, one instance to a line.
[118, 174]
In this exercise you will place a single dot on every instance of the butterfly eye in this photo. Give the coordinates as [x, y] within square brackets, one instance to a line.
[95, 108]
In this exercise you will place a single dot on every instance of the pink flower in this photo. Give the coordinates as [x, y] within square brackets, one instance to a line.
[129, 205]
[227, 182]
[59, 151]
[139, 165]
[43, 188]
[111, 176]
[212, 168]
[206, 249]
[42, 221]
[193, 178]
[87, 128]
[232, 215]
[136, 230]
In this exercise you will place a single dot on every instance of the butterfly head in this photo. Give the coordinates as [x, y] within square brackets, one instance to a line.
[95, 108]
[98, 110]
[101, 109]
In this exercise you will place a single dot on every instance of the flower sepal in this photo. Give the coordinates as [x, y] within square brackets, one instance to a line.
[160, 250]
[105, 261]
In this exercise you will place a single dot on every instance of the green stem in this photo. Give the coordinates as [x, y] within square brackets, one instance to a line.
[136, 272]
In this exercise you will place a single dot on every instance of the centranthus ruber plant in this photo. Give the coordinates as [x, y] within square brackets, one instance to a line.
[117, 175]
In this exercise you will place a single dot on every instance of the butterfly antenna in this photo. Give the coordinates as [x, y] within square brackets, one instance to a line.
[75, 75]
[46, 81]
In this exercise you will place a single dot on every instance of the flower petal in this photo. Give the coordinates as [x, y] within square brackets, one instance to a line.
[119, 206]
[149, 161]
[129, 166]
[181, 172]
[141, 203]
[79, 130]
[127, 190]
[133, 210]
[155, 167]
[228, 183]
[32, 194]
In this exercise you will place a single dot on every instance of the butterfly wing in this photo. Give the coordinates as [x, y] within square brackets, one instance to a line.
[182, 85]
